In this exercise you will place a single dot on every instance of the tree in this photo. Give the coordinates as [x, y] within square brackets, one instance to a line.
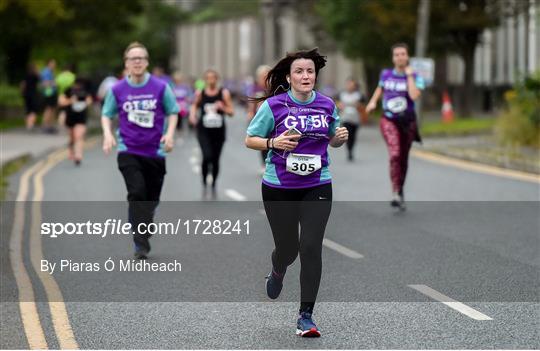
[367, 29]
[23, 22]
[65, 29]
[457, 28]
[156, 28]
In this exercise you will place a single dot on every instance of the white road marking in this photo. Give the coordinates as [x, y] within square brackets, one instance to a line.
[456, 305]
[235, 195]
[196, 169]
[345, 251]
[194, 160]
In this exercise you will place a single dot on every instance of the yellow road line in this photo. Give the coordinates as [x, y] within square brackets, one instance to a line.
[29, 314]
[476, 167]
[33, 329]
[59, 315]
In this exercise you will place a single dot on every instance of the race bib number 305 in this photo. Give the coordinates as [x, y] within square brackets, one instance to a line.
[142, 118]
[303, 164]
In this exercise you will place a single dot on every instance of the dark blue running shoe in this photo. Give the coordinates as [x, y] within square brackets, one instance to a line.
[274, 284]
[140, 253]
[305, 326]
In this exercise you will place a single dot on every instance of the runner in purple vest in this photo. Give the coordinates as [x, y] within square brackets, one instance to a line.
[296, 125]
[184, 94]
[399, 87]
[147, 115]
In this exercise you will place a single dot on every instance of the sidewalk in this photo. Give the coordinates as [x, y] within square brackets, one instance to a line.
[15, 143]
[485, 150]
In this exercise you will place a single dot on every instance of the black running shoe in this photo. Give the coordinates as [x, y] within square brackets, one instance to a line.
[274, 284]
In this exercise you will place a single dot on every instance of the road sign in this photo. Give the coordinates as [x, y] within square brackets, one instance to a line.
[424, 67]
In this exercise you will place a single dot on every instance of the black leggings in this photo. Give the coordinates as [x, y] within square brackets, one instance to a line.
[211, 145]
[144, 179]
[351, 128]
[286, 209]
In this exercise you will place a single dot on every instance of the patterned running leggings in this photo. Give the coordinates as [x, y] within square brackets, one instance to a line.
[398, 140]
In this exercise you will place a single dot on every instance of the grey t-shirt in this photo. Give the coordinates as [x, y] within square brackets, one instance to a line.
[350, 102]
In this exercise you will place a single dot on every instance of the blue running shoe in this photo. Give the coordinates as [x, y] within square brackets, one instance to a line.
[274, 284]
[140, 253]
[305, 326]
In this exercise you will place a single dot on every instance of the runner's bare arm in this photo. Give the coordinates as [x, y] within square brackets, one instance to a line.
[227, 102]
[108, 137]
[341, 136]
[412, 89]
[193, 109]
[372, 105]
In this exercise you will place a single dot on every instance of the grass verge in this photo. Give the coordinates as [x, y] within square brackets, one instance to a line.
[9, 169]
[458, 127]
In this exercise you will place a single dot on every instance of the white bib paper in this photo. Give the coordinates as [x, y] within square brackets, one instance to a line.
[397, 104]
[303, 164]
[212, 120]
[142, 118]
[78, 106]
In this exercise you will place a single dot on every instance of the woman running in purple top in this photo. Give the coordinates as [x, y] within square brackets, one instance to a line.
[296, 125]
[399, 87]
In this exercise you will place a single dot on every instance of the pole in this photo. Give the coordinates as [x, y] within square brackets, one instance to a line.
[422, 28]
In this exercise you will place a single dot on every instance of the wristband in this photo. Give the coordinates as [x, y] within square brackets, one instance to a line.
[267, 144]
[272, 143]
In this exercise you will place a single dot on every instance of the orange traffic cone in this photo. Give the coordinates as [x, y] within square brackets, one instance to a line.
[447, 110]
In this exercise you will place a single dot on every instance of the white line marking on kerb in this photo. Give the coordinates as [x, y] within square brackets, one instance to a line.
[456, 305]
[235, 195]
[342, 249]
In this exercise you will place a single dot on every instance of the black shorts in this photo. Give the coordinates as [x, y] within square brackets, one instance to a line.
[51, 101]
[31, 104]
[73, 119]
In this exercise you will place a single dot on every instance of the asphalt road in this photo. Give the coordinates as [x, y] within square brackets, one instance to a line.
[457, 270]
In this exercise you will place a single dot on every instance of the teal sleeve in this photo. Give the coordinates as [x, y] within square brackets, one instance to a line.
[262, 123]
[335, 123]
[110, 109]
[420, 83]
[169, 102]
[381, 83]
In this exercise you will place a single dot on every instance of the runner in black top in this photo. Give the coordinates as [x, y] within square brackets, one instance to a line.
[77, 101]
[213, 103]
[29, 89]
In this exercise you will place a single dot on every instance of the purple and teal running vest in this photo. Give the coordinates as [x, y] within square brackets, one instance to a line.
[141, 116]
[396, 100]
[314, 120]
